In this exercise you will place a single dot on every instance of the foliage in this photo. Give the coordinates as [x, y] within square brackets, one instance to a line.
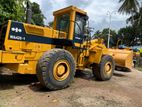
[129, 36]
[16, 10]
[104, 34]
[37, 16]
[128, 6]
[50, 24]
[11, 10]
[132, 35]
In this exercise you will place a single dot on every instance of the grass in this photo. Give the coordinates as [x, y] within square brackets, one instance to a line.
[139, 68]
[138, 63]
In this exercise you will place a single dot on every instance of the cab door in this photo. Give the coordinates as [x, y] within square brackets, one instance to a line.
[80, 23]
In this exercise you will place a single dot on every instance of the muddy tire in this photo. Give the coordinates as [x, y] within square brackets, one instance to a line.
[105, 69]
[56, 69]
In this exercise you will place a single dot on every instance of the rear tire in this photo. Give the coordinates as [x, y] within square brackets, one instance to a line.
[56, 69]
[105, 69]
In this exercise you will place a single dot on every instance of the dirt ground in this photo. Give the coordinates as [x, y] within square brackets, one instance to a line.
[123, 90]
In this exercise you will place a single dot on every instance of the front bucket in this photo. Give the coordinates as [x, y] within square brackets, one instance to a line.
[123, 58]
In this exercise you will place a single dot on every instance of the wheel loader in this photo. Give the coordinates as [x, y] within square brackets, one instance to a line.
[54, 54]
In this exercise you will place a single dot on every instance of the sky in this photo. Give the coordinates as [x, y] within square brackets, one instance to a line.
[97, 11]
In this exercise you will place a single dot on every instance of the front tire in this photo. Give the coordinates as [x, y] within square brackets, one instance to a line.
[105, 69]
[56, 69]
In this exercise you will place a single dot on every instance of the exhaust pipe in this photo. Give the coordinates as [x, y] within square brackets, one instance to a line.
[28, 13]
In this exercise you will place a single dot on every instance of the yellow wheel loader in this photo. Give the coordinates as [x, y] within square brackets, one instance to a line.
[54, 54]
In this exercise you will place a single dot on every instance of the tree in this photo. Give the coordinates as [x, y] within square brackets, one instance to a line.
[128, 6]
[37, 16]
[11, 10]
[104, 35]
[130, 36]
[16, 10]
[136, 23]
[50, 24]
[136, 19]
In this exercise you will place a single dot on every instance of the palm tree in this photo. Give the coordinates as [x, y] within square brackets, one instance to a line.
[129, 6]
[136, 19]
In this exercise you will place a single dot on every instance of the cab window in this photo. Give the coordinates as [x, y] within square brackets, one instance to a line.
[63, 22]
[79, 25]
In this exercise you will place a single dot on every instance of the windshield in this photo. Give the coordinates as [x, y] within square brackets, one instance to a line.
[63, 23]
[79, 25]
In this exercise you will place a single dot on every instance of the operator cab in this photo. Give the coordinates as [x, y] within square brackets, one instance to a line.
[72, 21]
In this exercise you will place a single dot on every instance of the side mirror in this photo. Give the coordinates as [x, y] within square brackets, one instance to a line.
[86, 32]
[86, 17]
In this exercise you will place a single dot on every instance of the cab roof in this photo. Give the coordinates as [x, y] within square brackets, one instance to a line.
[68, 9]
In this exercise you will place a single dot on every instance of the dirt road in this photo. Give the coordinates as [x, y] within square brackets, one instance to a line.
[123, 90]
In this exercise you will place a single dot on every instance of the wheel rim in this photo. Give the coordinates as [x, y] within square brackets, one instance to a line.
[61, 70]
[108, 67]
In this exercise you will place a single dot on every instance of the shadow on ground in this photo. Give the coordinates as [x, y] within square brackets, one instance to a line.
[10, 81]
[118, 74]
[87, 75]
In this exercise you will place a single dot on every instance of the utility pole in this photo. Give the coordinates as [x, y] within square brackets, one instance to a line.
[110, 16]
